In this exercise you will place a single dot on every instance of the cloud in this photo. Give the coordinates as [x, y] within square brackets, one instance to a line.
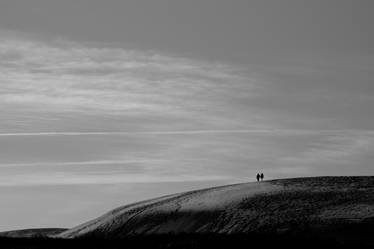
[81, 163]
[78, 86]
[59, 178]
[192, 132]
[124, 89]
[180, 155]
[348, 148]
[56, 76]
[71, 108]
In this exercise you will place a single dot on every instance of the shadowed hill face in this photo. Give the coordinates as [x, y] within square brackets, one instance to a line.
[32, 233]
[281, 206]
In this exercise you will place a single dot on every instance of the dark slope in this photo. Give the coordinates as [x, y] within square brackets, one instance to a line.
[32, 233]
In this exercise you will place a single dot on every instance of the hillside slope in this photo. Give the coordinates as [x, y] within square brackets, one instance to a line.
[325, 205]
[32, 233]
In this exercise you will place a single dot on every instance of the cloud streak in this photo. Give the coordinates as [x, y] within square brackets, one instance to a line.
[60, 75]
[59, 178]
[70, 83]
[81, 163]
[339, 149]
[68, 105]
[195, 132]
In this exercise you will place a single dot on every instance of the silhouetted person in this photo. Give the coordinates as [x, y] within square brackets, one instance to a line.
[258, 177]
[262, 176]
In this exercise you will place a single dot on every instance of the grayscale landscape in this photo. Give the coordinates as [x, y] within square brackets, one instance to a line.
[186, 124]
[324, 210]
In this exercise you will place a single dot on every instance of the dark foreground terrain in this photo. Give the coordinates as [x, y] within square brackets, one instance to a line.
[197, 241]
[32, 233]
[296, 213]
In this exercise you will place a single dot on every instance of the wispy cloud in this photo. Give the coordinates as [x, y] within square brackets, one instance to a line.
[81, 163]
[97, 87]
[80, 111]
[197, 132]
[349, 148]
[78, 86]
[61, 75]
[59, 178]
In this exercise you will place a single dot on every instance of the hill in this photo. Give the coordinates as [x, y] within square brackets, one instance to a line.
[32, 233]
[341, 208]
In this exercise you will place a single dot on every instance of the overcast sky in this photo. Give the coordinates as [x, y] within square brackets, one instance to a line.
[107, 102]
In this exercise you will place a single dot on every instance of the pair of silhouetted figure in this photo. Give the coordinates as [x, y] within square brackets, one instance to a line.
[260, 177]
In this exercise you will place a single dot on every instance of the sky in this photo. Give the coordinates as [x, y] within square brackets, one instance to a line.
[103, 103]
